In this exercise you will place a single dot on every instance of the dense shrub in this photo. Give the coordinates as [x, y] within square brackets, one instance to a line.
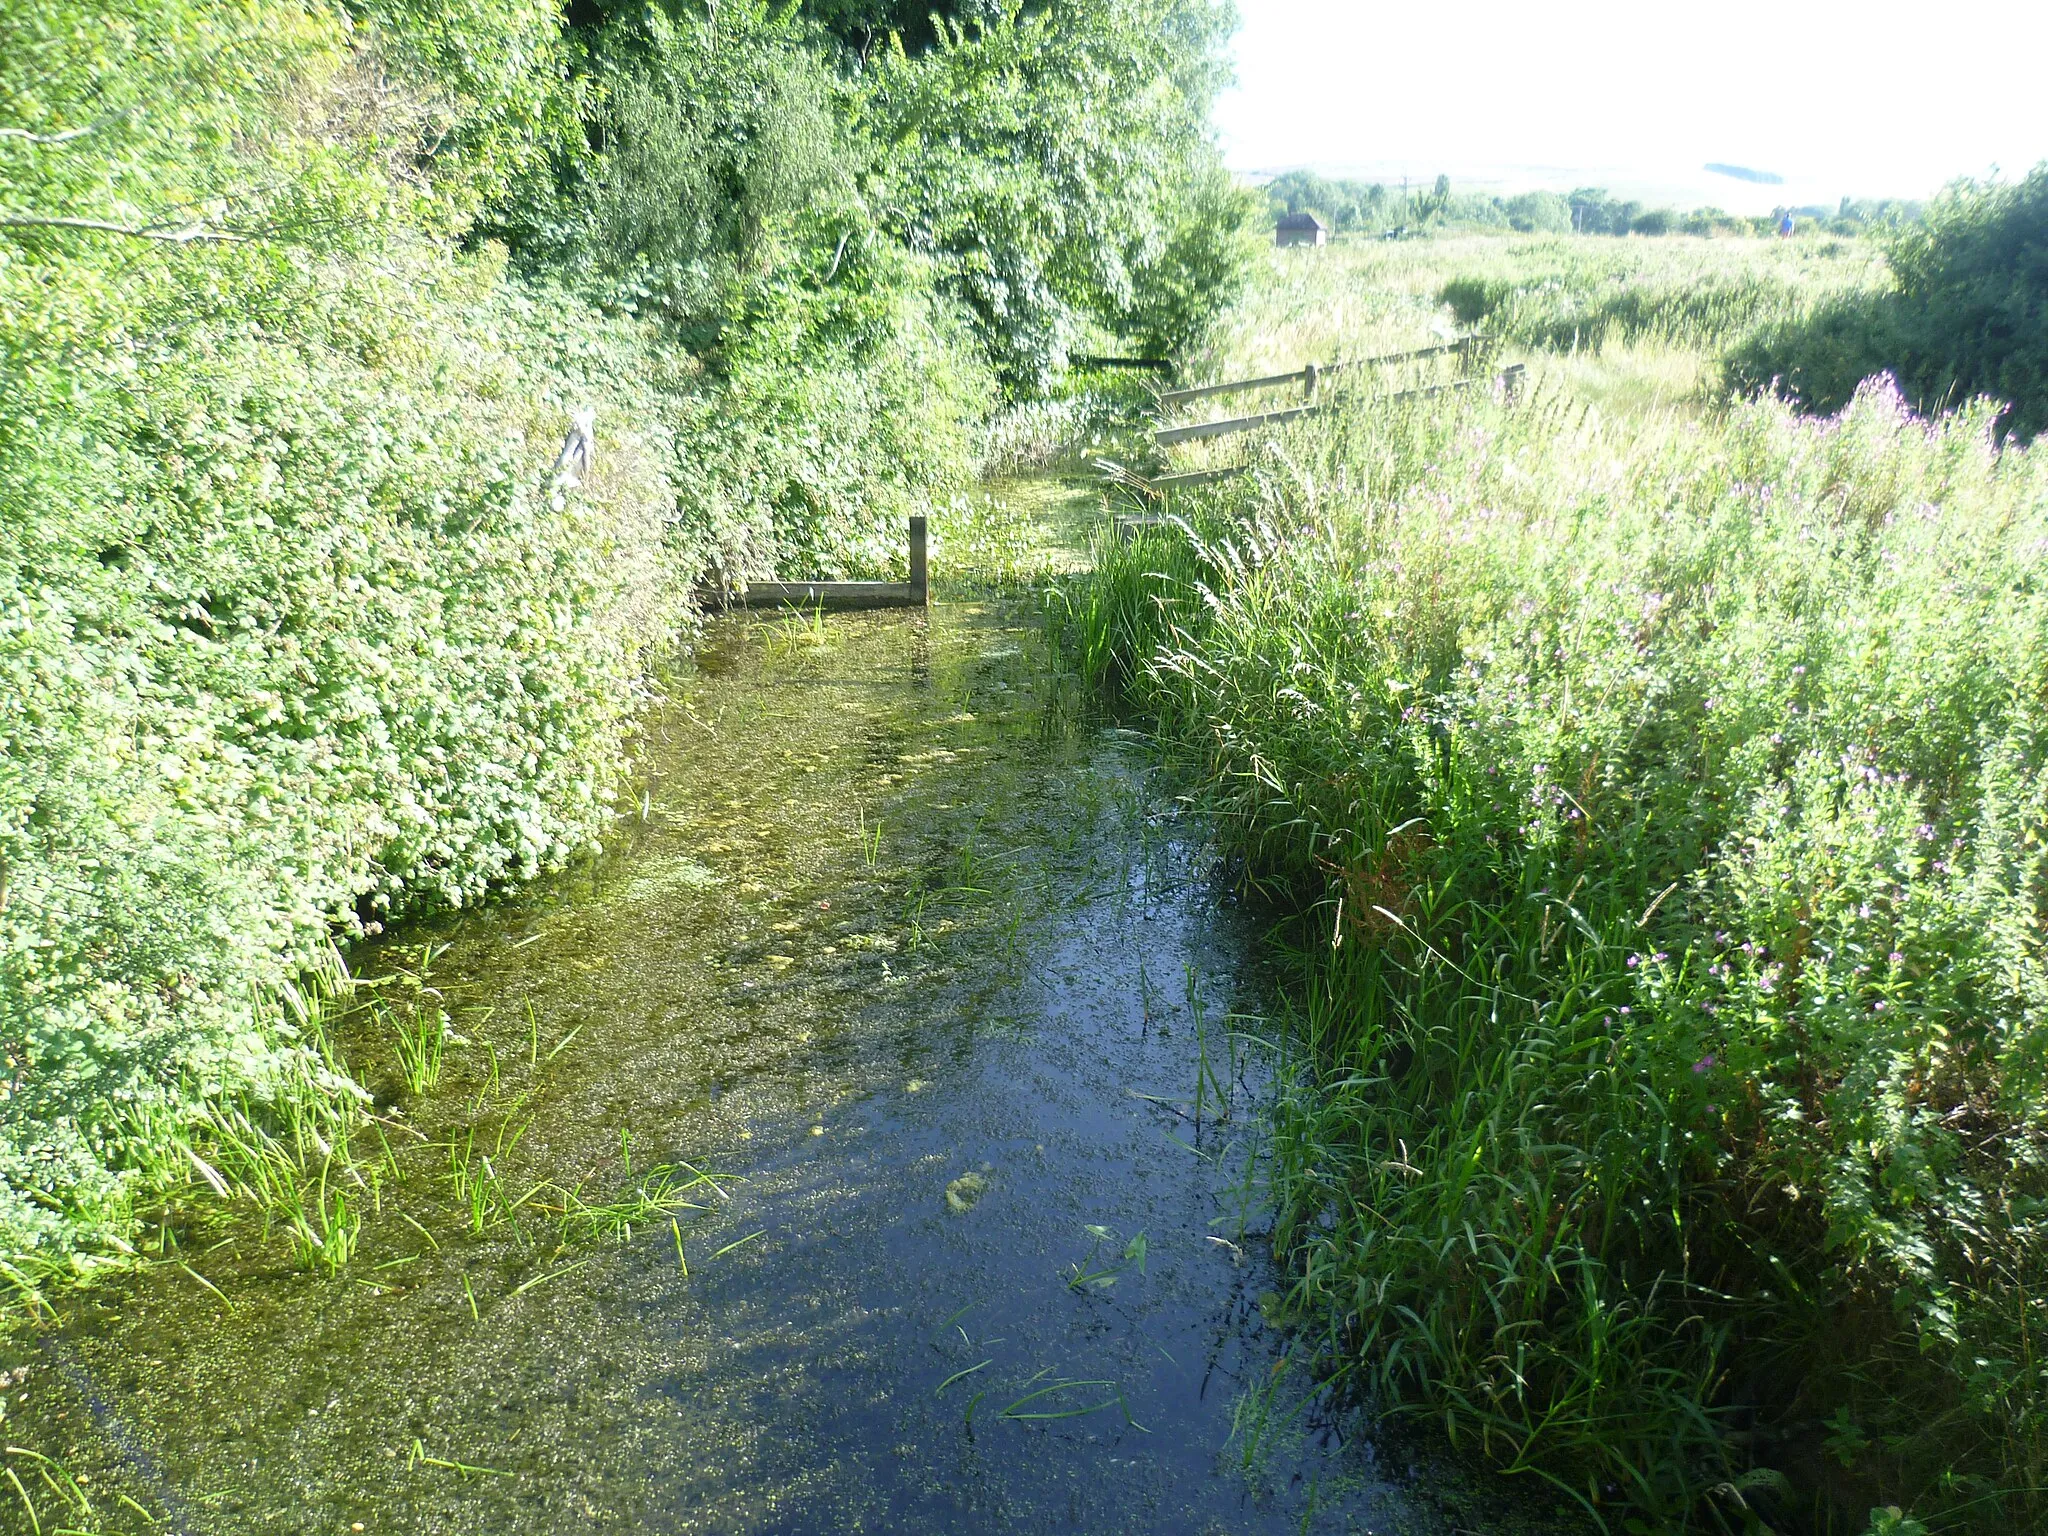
[299, 625]
[1045, 212]
[1545, 213]
[1665, 809]
[298, 635]
[715, 136]
[1199, 271]
[838, 391]
[481, 91]
[841, 408]
[1968, 314]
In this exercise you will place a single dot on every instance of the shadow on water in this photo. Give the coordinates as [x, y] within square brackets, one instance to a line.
[910, 1014]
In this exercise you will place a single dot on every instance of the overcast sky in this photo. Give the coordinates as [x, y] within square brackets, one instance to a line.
[1869, 97]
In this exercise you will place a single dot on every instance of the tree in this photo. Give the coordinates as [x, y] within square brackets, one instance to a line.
[1003, 160]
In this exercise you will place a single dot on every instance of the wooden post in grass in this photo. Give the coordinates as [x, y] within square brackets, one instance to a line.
[920, 585]
[1308, 382]
[1511, 381]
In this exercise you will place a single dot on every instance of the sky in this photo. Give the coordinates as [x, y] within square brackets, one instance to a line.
[1857, 97]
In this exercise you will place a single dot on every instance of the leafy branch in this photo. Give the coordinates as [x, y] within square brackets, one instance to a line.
[47, 138]
[185, 236]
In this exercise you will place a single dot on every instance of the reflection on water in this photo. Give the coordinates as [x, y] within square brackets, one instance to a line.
[935, 993]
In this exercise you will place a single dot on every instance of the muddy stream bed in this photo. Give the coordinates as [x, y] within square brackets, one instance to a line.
[913, 962]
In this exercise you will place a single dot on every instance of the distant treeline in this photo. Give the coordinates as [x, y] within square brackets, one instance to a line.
[1374, 208]
[1744, 173]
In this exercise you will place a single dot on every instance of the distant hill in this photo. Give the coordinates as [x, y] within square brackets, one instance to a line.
[1744, 173]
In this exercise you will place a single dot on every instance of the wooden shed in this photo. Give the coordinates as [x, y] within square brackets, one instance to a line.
[1301, 229]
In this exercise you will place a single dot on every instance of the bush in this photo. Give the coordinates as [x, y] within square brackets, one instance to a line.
[840, 409]
[1045, 212]
[1199, 272]
[487, 95]
[1968, 315]
[1543, 213]
[301, 638]
[715, 136]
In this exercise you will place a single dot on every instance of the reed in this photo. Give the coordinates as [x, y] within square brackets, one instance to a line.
[419, 1036]
[663, 1191]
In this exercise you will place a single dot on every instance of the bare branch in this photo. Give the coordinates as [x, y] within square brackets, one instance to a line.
[101, 226]
[48, 138]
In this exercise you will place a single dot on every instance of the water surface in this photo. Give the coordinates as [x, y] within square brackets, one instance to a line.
[914, 961]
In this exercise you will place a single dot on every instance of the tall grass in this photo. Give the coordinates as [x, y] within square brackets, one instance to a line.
[1661, 804]
[1356, 299]
[1569, 295]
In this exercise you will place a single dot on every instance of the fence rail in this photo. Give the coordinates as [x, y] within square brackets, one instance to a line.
[1197, 477]
[1166, 437]
[1309, 375]
[1145, 364]
[1510, 378]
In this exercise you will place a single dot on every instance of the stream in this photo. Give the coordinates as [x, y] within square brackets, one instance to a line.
[920, 995]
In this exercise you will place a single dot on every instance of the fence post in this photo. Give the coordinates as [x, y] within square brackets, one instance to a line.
[1308, 376]
[1511, 380]
[920, 586]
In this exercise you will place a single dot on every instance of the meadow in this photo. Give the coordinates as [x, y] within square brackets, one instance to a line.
[1647, 784]
[1634, 323]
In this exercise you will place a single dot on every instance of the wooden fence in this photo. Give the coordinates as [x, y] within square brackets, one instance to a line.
[1141, 364]
[1314, 373]
[1166, 437]
[1509, 378]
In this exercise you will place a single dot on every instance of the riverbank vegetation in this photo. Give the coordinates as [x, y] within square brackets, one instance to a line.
[1649, 780]
[313, 616]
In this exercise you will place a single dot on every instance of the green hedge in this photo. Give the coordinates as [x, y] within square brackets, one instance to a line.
[297, 634]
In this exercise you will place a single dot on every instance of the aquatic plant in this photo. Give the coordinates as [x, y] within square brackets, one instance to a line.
[662, 1191]
[64, 1495]
[1108, 1257]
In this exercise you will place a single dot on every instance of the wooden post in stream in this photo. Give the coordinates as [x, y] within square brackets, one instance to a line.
[775, 595]
[920, 585]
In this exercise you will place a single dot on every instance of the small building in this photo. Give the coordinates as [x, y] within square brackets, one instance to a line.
[1301, 229]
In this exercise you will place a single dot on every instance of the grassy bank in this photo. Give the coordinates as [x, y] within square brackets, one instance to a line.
[1652, 788]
